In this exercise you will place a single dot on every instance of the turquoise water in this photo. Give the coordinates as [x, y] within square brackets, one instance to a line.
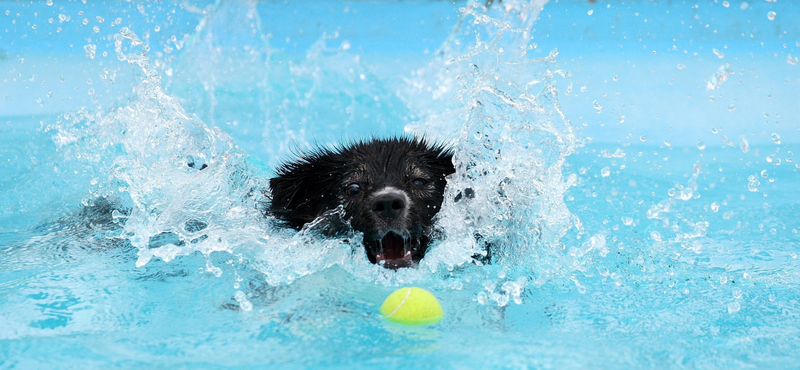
[633, 164]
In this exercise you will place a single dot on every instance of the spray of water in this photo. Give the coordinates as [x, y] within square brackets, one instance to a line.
[187, 188]
[496, 102]
[184, 187]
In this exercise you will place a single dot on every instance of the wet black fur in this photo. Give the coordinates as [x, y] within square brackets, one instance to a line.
[315, 183]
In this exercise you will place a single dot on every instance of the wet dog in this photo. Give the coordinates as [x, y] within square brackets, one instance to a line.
[389, 189]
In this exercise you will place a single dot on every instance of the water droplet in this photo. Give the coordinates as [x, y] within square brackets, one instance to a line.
[618, 153]
[718, 53]
[719, 77]
[627, 221]
[776, 138]
[752, 183]
[744, 144]
[731, 108]
[726, 4]
[621, 119]
[791, 60]
[681, 66]
[701, 145]
[90, 49]
[643, 138]
[655, 235]
[771, 15]
[744, 5]
[605, 172]
[734, 307]
[590, 12]
[49, 2]
[596, 105]
[714, 207]
[764, 174]
[615, 78]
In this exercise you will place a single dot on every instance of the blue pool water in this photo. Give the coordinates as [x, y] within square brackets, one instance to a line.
[635, 166]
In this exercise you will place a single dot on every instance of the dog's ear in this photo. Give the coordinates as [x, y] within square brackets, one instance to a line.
[302, 190]
[441, 161]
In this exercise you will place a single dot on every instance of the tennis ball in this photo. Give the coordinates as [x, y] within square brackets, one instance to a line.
[412, 306]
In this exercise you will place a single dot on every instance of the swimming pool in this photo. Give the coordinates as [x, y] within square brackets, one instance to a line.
[632, 163]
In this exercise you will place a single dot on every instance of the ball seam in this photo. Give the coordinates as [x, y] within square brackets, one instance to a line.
[408, 293]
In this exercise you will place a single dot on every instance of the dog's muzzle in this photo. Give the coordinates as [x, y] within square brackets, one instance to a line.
[391, 246]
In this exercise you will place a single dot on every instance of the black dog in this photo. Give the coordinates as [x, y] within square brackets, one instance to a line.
[389, 189]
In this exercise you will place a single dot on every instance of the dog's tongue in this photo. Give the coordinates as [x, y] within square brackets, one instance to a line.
[392, 251]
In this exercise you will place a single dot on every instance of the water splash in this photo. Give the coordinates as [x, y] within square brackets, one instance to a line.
[222, 70]
[328, 92]
[683, 228]
[190, 189]
[487, 94]
[293, 102]
[184, 187]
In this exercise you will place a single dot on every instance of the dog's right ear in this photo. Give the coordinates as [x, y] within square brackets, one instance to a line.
[302, 190]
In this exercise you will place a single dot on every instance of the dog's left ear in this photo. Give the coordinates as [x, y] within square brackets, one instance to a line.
[442, 163]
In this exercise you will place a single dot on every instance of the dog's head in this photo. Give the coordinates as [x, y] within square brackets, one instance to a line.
[390, 190]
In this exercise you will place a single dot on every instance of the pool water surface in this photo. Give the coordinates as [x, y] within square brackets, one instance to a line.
[633, 166]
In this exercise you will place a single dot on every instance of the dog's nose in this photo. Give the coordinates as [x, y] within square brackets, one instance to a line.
[389, 205]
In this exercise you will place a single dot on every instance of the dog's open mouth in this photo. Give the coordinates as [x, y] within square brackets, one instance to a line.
[394, 251]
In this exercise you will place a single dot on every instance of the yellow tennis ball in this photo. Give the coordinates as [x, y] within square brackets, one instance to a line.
[412, 306]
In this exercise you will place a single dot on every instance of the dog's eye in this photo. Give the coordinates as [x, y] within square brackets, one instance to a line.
[352, 190]
[418, 182]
